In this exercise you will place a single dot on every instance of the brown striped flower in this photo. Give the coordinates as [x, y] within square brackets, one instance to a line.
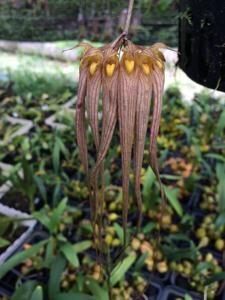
[128, 77]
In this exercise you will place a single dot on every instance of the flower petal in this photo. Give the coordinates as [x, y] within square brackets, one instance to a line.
[141, 124]
[93, 93]
[109, 82]
[109, 102]
[158, 84]
[80, 119]
[128, 86]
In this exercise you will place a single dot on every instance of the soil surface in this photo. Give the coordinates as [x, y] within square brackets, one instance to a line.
[12, 234]
[15, 200]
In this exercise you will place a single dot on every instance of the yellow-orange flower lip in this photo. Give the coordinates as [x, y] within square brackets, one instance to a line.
[159, 64]
[146, 69]
[93, 68]
[129, 65]
[110, 68]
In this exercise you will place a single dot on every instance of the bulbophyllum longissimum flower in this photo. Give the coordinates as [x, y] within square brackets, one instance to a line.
[127, 77]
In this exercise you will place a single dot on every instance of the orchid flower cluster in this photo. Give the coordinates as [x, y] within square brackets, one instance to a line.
[126, 77]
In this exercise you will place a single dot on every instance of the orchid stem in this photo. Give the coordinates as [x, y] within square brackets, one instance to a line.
[122, 38]
[129, 14]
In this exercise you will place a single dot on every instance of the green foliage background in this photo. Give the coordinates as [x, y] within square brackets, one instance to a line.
[30, 20]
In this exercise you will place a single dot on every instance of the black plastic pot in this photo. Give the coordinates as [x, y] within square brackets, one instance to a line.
[154, 290]
[201, 41]
[172, 292]
[163, 278]
[180, 281]
[10, 279]
[4, 292]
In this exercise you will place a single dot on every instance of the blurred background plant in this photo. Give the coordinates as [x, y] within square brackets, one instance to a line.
[48, 160]
[94, 20]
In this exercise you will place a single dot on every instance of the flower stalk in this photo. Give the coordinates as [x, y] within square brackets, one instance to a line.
[129, 15]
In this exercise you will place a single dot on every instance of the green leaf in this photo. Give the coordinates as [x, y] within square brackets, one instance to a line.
[80, 282]
[207, 167]
[62, 147]
[56, 215]
[3, 242]
[170, 177]
[20, 257]
[172, 251]
[61, 238]
[148, 182]
[42, 217]
[219, 145]
[198, 152]
[41, 187]
[25, 144]
[171, 194]
[73, 296]
[187, 130]
[178, 237]
[56, 156]
[220, 220]
[220, 172]
[204, 266]
[120, 270]
[141, 261]
[179, 254]
[24, 291]
[37, 294]
[119, 231]
[56, 194]
[187, 297]
[49, 253]
[96, 290]
[221, 123]
[215, 278]
[216, 156]
[149, 227]
[82, 246]
[4, 224]
[68, 251]
[57, 268]
[107, 177]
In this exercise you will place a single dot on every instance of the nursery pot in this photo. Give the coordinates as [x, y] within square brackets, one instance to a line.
[8, 283]
[173, 292]
[28, 226]
[202, 41]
